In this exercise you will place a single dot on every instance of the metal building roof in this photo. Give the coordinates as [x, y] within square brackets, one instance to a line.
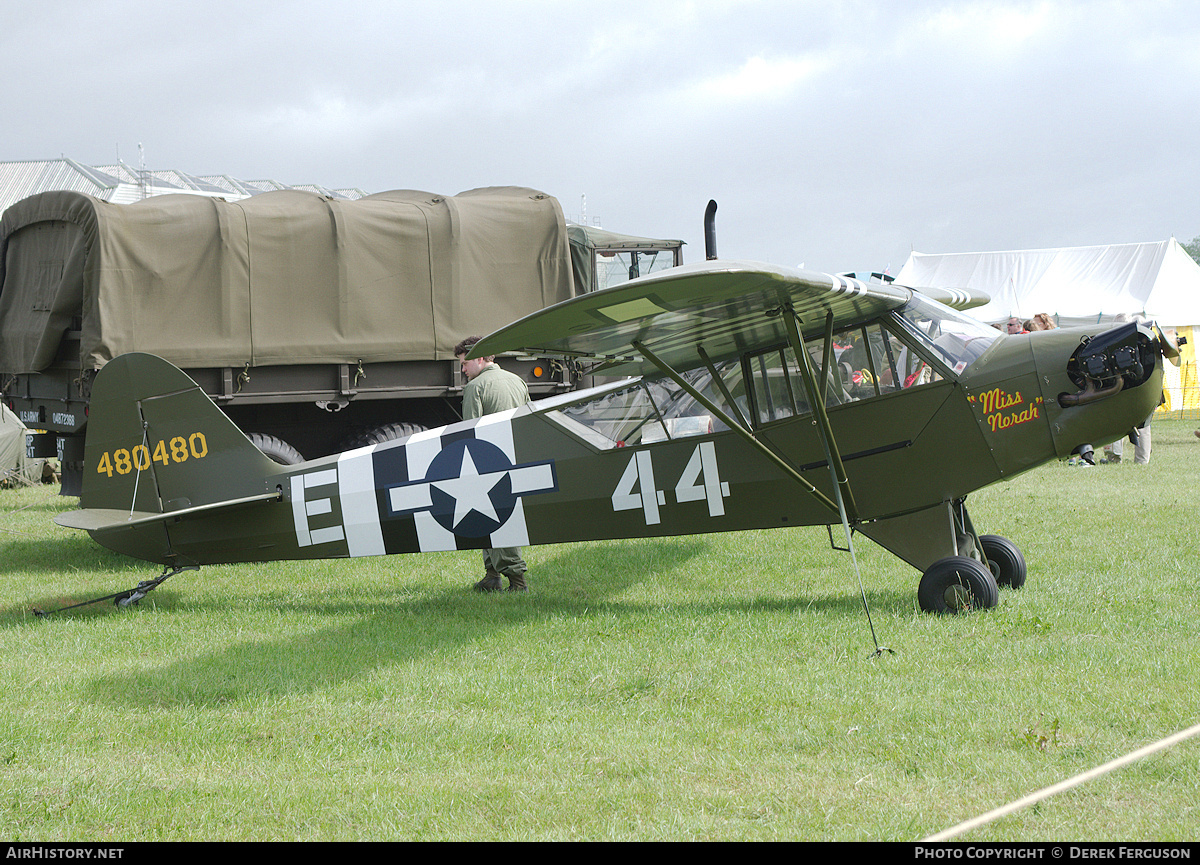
[121, 184]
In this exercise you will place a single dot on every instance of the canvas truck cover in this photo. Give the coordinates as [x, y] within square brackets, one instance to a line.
[280, 278]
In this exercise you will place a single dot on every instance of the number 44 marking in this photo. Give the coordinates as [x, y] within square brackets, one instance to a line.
[700, 481]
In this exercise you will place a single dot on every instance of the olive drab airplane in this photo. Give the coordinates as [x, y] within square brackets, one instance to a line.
[762, 397]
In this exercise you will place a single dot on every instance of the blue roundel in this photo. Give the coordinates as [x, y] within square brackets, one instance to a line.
[477, 498]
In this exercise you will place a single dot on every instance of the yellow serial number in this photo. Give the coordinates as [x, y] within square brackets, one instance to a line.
[166, 451]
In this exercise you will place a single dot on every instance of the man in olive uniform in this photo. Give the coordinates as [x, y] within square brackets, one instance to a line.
[491, 389]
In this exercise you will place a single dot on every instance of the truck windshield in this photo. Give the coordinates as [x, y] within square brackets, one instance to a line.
[614, 266]
[956, 339]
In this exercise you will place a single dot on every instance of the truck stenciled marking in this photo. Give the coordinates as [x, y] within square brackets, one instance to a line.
[166, 451]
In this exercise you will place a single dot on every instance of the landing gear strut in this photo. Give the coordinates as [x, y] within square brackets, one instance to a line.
[970, 580]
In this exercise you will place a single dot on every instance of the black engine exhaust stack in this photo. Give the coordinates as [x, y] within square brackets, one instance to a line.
[710, 231]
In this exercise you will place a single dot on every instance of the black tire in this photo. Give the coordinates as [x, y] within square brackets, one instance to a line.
[276, 448]
[1005, 560]
[957, 584]
[386, 433]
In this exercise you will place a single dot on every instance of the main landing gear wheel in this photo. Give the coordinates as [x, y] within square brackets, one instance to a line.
[957, 584]
[1004, 559]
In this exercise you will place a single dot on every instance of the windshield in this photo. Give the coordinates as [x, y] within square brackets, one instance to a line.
[614, 266]
[957, 339]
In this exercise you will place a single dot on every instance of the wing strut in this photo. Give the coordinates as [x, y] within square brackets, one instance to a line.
[846, 507]
[720, 383]
[738, 428]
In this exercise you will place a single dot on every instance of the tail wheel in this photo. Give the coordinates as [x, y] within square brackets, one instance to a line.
[957, 584]
[276, 448]
[1005, 560]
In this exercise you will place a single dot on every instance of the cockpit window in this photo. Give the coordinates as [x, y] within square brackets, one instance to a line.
[864, 361]
[924, 343]
[641, 411]
[957, 340]
[777, 386]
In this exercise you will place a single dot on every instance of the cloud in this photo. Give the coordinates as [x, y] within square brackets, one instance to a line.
[758, 80]
[998, 29]
[836, 134]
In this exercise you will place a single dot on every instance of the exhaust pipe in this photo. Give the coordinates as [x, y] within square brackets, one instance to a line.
[1090, 393]
[710, 231]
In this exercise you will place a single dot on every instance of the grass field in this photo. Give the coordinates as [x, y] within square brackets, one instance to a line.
[714, 687]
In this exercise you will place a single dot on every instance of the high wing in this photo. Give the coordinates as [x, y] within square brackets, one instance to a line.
[715, 309]
[956, 298]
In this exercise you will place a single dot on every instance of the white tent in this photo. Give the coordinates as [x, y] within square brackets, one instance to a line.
[1075, 285]
[1082, 285]
[12, 446]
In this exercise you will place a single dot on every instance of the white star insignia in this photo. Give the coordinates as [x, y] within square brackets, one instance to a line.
[470, 490]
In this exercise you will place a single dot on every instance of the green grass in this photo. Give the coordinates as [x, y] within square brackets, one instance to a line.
[712, 687]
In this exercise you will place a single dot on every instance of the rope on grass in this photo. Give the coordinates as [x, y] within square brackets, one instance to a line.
[1055, 789]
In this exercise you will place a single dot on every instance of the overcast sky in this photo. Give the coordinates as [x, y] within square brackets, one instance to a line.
[838, 136]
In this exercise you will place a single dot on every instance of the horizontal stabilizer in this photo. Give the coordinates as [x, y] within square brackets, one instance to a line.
[110, 519]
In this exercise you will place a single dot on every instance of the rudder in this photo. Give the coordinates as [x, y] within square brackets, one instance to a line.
[156, 443]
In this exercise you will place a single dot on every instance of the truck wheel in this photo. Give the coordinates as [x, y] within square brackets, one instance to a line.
[277, 449]
[385, 433]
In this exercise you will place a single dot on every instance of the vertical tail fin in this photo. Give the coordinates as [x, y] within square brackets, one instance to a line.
[156, 443]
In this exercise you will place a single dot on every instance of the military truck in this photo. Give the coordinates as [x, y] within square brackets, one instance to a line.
[316, 324]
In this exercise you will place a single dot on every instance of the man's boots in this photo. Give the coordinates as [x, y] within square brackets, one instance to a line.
[491, 582]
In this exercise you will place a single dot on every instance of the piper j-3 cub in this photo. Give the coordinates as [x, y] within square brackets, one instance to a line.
[764, 397]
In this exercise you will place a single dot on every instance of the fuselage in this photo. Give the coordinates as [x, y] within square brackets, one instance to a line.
[913, 426]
